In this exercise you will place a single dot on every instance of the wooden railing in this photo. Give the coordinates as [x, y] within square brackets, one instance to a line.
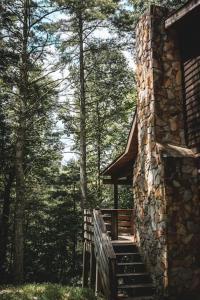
[88, 226]
[119, 222]
[100, 228]
[105, 256]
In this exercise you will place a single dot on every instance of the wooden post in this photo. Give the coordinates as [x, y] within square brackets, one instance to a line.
[115, 195]
[132, 222]
[114, 225]
[86, 265]
[92, 268]
[97, 280]
[112, 280]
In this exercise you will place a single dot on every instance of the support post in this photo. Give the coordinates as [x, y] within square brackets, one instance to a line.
[114, 224]
[86, 265]
[92, 268]
[115, 195]
[97, 279]
[112, 280]
[133, 222]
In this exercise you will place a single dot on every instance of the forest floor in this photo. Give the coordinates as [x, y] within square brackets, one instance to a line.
[45, 292]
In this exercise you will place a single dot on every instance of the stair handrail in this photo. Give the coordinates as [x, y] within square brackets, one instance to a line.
[105, 256]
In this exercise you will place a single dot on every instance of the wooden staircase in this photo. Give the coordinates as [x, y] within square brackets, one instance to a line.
[133, 281]
[120, 272]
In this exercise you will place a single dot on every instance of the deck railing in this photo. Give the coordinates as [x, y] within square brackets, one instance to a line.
[119, 222]
[105, 256]
[101, 227]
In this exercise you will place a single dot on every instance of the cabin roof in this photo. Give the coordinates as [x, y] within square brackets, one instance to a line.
[122, 166]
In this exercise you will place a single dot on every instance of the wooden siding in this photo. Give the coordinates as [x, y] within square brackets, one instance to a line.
[192, 101]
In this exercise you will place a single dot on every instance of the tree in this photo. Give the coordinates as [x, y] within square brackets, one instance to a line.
[84, 18]
[7, 174]
[140, 5]
[25, 33]
[54, 229]
[110, 105]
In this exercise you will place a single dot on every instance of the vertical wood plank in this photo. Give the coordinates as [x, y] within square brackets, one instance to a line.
[97, 279]
[92, 268]
[86, 265]
[114, 225]
[133, 222]
[112, 279]
[115, 195]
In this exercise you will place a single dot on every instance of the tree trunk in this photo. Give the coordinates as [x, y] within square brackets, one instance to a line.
[20, 145]
[83, 173]
[98, 151]
[74, 235]
[19, 209]
[5, 223]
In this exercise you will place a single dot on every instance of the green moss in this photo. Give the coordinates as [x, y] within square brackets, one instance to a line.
[45, 292]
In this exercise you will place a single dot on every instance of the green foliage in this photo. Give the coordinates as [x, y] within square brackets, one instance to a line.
[111, 101]
[139, 6]
[45, 292]
[53, 248]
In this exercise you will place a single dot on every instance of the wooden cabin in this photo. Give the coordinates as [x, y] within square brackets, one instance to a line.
[153, 250]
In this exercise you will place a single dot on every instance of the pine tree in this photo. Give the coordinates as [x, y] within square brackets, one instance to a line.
[84, 17]
[25, 33]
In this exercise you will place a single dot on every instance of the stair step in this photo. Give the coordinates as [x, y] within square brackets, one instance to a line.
[125, 249]
[131, 267]
[126, 253]
[136, 290]
[135, 298]
[130, 263]
[136, 286]
[107, 224]
[122, 243]
[132, 278]
[131, 274]
[128, 257]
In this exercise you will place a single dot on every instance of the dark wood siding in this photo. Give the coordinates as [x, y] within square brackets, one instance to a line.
[189, 39]
[191, 76]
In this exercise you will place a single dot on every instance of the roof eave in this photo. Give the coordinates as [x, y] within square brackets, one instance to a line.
[123, 158]
[179, 14]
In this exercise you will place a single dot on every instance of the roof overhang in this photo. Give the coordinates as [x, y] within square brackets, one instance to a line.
[186, 22]
[120, 170]
[186, 11]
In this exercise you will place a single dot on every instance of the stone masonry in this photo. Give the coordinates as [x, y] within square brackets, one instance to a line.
[165, 181]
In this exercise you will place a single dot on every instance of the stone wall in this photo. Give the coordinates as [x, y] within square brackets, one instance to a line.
[148, 171]
[183, 230]
[161, 149]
